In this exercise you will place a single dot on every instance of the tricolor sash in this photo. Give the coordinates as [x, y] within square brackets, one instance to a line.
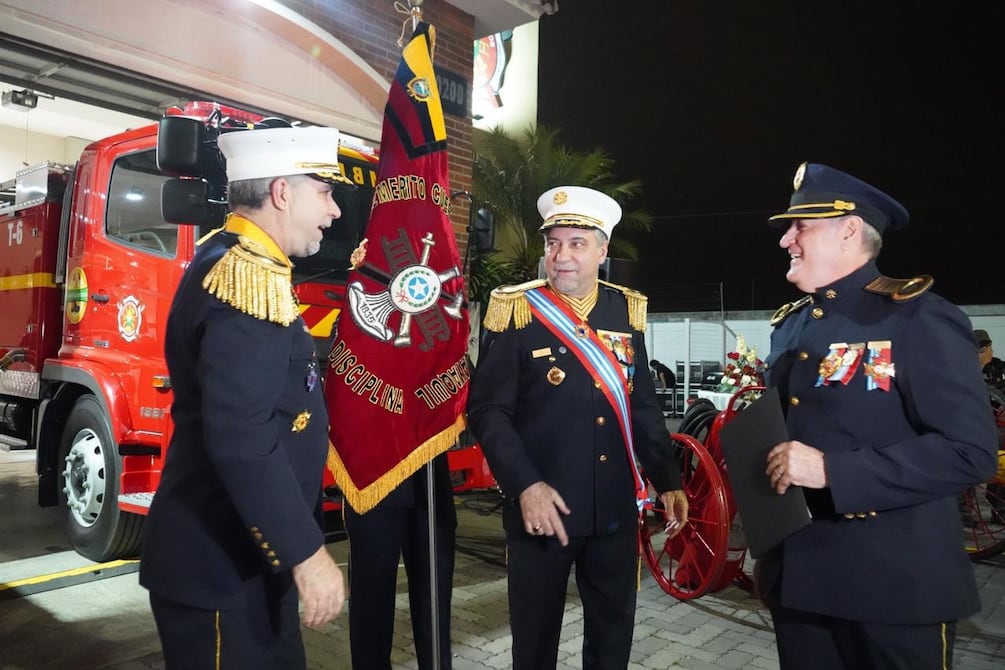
[598, 360]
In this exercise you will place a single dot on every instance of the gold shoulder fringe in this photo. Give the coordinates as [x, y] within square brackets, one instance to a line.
[509, 302]
[900, 289]
[366, 498]
[638, 305]
[248, 279]
[789, 308]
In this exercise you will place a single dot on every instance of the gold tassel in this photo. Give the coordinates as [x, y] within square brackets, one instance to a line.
[638, 305]
[509, 302]
[498, 313]
[249, 280]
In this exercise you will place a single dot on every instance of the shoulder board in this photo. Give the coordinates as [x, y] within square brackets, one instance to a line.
[509, 303]
[789, 308]
[248, 279]
[510, 289]
[900, 289]
[638, 304]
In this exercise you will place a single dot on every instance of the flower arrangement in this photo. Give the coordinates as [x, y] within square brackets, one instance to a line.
[743, 369]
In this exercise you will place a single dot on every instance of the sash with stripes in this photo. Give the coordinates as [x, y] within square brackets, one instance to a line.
[599, 361]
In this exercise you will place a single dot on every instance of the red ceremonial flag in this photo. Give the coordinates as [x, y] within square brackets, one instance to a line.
[397, 380]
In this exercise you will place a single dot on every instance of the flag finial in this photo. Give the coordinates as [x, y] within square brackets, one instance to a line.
[414, 11]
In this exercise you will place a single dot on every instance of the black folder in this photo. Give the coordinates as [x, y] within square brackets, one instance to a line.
[768, 518]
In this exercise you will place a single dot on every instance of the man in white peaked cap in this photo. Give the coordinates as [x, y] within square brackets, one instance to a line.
[234, 535]
[562, 403]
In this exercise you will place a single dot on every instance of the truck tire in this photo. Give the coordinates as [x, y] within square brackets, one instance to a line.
[90, 464]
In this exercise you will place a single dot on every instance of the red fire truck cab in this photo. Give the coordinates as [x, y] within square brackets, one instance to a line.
[90, 263]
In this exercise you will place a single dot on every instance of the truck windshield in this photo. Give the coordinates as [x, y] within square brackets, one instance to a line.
[331, 263]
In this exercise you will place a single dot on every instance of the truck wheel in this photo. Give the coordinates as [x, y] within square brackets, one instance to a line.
[90, 464]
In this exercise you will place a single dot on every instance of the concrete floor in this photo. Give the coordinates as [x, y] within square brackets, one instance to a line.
[105, 623]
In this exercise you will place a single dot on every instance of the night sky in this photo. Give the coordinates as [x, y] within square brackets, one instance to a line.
[713, 105]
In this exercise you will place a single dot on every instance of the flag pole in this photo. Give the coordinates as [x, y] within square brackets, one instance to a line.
[415, 14]
[434, 601]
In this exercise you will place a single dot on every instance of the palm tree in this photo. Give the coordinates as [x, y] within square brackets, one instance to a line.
[508, 176]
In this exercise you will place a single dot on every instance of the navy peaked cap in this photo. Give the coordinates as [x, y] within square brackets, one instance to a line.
[821, 192]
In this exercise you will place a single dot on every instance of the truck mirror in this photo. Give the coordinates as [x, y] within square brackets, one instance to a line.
[186, 201]
[179, 144]
[483, 229]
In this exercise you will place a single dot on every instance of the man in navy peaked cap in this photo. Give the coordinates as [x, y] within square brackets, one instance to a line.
[888, 423]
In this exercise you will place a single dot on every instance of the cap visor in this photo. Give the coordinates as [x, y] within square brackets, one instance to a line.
[331, 178]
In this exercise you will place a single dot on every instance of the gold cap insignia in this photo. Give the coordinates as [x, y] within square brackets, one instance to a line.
[300, 422]
[560, 198]
[556, 376]
[797, 180]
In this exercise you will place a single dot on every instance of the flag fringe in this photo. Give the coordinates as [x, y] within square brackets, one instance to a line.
[365, 499]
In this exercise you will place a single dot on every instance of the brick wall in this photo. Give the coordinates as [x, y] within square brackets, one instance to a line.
[371, 28]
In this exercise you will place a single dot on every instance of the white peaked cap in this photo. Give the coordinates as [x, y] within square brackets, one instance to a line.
[278, 152]
[578, 207]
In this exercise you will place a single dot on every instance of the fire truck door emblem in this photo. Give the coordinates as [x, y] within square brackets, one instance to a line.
[76, 295]
[414, 291]
[130, 318]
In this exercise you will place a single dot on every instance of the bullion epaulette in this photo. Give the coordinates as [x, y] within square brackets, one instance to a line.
[247, 278]
[789, 308]
[509, 303]
[900, 289]
[638, 305]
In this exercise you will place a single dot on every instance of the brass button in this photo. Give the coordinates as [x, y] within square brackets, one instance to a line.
[849, 515]
[265, 545]
[818, 312]
[275, 563]
[872, 513]
[794, 400]
[803, 355]
[830, 294]
[860, 515]
[601, 421]
[603, 458]
[271, 554]
[597, 384]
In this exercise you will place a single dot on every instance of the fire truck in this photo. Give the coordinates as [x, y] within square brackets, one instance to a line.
[91, 258]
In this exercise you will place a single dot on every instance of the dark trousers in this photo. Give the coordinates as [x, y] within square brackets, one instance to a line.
[817, 642]
[377, 540]
[606, 573]
[264, 638]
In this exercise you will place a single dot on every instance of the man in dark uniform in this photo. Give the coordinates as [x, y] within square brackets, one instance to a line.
[562, 403]
[234, 532]
[398, 529]
[888, 423]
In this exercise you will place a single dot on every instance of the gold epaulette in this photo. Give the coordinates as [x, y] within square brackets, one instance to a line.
[788, 308]
[638, 305]
[900, 289]
[249, 279]
[509, 302]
